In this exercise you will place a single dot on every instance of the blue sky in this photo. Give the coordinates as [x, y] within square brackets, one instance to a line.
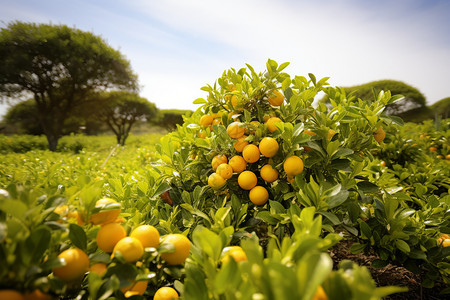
[177, 46]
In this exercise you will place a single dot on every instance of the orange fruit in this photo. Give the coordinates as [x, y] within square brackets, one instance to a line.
[271, 123]
[331, 133]
[99, 268]
[268, 147]
[206, 120]
[11, 295]
[247, 180]
[236, 102]
[234, 252]
[111, 211]
[216, 181]
[268, 173]
[130, 248]
[165, 293]
[235, 130]
[259, 195]
[446, 243]
[434, 149]
[379, 135]
[447, 156]
[77, 263]
[108, 236]
[309, 132]
[293, 165]
[251, 153]
[216, 121]
[217, 160]
[62, 210]
[276, 98]
[147, 235]
[320, 294]
[240, 144]
[225, 171]
[202, 135]
[136, 288]
[237, 163]
[182, 247]
[37, 294]
[383, 163]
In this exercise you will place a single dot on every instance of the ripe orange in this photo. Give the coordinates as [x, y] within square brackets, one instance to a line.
[268, 173]
[240, 144]
[234, 252]
[217, 160]
[165, 293]
[136, 288]
[77, 263]
[434, 149]
[251, 153]
[247, 180]
[202, 135]
[293, 165]
[225, 171]
[259, 195]
[446, 243]
[237, 163]
[216, 181]
[182, 248]
[268, 147]
[383, 163]
[271, 123]
[320, 294]
[379, 135]
[147, 235]
[37, 294]
[11, 295]
[276, 98]
[130, 248]
[235, 130]
[99, 268]
[206, 120]
[112, 210]
[109, 235]
[331, 133]
[447, 156]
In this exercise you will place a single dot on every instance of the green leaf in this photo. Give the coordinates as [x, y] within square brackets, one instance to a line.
[78, 236]
[199, 101]
[15, 208]
[208, 241]
[267, 217]
[379, 263]
[368, 187]
[228, 277]
[402, 246]
[357, 248]
[365, 229]
[37, 243]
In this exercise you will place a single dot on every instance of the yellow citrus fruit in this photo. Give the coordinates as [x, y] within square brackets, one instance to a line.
[276, 98]
[225, 171]
[165, 293]
[268, 147]
[99, 268]
[11, 295]
[383, 163]
[37, 294]
[259, 195]
[446, 243]
[447, 157]
[379, 135]
[268, 173]
[216, 181]
[182, 247]
[331, 133]
[147, 235]
[62, 210]
[251, 153]
[107, 216]
[293, 165]
[309, 132]
[320, 294]
[136, 288]
[240, 144]
[108, 236]
[218, 160]
[237, 163]
[235, 130]
[206, 120]
[77, 263]
[236, 102]
[130, 248]
[234, 252]
[216, 121]
[271, 123]
[247, 180]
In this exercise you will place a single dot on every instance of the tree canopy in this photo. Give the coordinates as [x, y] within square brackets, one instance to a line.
[120, 110]
[58, 67]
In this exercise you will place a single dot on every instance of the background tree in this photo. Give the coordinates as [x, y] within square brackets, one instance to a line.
[170, 118]
[414, 99]
[121, 109]
[58, 66]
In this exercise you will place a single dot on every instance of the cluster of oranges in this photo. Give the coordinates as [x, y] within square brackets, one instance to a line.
[251, 155]
[112, 238]
[444, 240]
